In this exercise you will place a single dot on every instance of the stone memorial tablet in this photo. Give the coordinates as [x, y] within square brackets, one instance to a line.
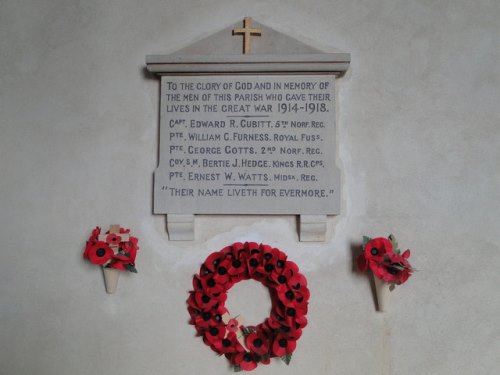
[247, 134]
[254, 144]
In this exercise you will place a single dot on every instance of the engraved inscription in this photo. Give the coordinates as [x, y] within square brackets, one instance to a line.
[247, 144]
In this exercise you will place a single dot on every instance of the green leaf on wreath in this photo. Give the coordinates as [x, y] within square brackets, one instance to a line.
[236, 368]
[248, 330]
[130, 267]
[392, 287]
[395, 246]
[366, 239]
[286, 358]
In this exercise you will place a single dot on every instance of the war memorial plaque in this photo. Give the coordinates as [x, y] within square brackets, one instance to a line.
[255, 144]
[247, 134]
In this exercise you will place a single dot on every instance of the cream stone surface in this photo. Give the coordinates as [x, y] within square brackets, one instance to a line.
[418, 134]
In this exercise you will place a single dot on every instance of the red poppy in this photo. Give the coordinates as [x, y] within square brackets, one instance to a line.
[239, 250]
[284, 344]
[300, 322]
[387, 272]
[246, 361]
[400, 262]
[91, 241]
[204, 271]
[100, 253]
[286, 273]
[130, 247]
[232, 325]
[238, 264]
[290, 314]
[394, 268]
[253, 247]
[257, 343]
[209, 318]
[204, 302]
[292, 297]
[213, 260]
[298, 283]
[229, 344]
[88, 246]
[254, 262]
[221, 275]
[113, 239]
[210, 286]
[279, 260]
[119, 265]
[214, 334]
[265, 359]
[377, 248]
[272, 322]
[122, 258]
[95, 234]
[362, 263]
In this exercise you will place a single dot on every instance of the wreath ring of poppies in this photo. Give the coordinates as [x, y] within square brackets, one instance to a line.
[245, 346]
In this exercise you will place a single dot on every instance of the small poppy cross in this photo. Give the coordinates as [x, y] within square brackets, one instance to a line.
[234, 325]
[114, 237]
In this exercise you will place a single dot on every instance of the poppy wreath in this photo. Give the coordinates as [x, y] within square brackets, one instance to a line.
[384, 258]
[247, 346]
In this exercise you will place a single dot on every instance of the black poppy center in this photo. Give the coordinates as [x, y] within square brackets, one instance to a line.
[222, 271]
[205, 298]
[247, 357]
[206, 316]
[282, 343]
[257, 343]
[100, 252]
[282, 279]
[296, 286]
[280, 264]
[226, 343]
[374, 251]
[267, 256]
[269, 267]
[392, 270]
[289, 295]
[218, 318]
[236, 263]
[214, 331]
[211, 282]
[290, 311]
[253, 262]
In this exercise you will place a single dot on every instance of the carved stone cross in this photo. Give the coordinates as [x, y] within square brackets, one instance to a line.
[247, 31]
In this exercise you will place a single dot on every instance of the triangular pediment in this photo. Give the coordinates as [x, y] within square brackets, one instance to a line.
[272, 51]
[269, 42]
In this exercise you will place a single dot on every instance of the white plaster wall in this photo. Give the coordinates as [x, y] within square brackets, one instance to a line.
[419, 136]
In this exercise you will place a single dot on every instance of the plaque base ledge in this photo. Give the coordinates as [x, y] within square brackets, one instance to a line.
[312, 228]
[180, 227]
